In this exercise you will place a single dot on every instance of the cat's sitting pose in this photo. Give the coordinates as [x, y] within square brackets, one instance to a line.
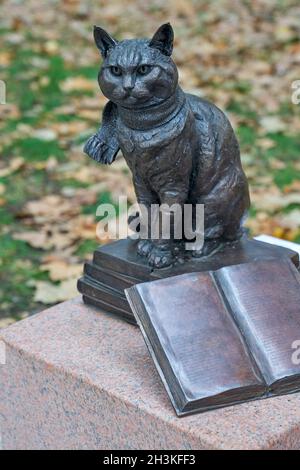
[180, 148]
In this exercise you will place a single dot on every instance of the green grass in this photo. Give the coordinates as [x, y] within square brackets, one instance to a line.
[26, 185]
[70, 182]
[287, 147]
[86, 248]
[241, 86]
[297, 239]
[19, 266]
[103, 198]
[51, 95]
[286, 176]
[90, 72]
[64, 117]
[247, 136]
[6, 218]
[26, 89]
[242, 109]
[252, 211]
[33, 149]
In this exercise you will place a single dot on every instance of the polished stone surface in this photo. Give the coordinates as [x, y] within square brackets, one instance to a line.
[75, 378]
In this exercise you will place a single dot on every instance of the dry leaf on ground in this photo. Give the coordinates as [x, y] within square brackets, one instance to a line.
[272, 199]
[60, 270]
[14, 165]
[48, 293]
[35, 239]
[78, 83]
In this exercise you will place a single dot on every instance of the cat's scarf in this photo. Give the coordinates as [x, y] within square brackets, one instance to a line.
[143, 127]
[103, 146]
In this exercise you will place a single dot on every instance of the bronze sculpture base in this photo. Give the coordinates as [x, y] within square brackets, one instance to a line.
[116, 266]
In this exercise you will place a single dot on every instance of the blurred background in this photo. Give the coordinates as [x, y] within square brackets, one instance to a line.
[242, 55]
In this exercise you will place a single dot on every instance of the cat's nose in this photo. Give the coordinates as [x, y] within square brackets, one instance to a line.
[128, 83]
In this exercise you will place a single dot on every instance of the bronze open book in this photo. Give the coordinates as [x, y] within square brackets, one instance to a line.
[223, 337]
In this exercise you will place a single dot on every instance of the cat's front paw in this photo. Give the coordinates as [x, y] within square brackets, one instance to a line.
[144, 247]
[160, 258]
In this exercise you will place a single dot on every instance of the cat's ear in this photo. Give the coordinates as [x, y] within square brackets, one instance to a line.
[103, 40]
[163, 39]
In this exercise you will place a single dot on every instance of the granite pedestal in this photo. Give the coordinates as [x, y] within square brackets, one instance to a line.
[76, 378]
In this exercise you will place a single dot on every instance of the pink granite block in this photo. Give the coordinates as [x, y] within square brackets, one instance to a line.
[75, 378]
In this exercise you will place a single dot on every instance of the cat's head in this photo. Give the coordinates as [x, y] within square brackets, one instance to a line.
[137, 73]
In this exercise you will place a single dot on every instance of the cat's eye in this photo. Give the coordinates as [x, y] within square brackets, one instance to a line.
[143, 69]
[115, 70]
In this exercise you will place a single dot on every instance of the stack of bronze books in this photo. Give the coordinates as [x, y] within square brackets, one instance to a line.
[116, 267]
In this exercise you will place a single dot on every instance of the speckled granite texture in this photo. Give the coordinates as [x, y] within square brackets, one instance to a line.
[78, 379]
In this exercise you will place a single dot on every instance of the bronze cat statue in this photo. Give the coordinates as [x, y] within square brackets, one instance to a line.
[180, 148]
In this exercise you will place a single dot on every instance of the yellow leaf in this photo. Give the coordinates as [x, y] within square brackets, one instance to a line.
[14, 165]
[78, 83]
[48, 293]
[60, 270]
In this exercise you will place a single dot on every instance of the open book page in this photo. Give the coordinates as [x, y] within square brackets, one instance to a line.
[186, 316]
[264, 297]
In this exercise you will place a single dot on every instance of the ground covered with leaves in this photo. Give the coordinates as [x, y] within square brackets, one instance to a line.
[242, 55]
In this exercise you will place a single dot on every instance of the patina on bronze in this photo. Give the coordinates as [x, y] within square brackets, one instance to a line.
[181, 149]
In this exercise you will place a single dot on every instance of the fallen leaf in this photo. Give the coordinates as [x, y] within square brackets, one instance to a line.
[5, 322]
[273, 199]
[51, 47]
[60, 270]
[277, 164]
[48, 293]
[35, 239]
[262, 223]
[293, 187]
[49, 165]
[78, 83]
[51, 207]
[272, 124]
[5, 58]
[84, 227]
[9, 111]
[284, 33]
[91, 114]
[290, 220]
[46, 135]
[265, 143]
[87, 102]
[14, 165]
[183, 8]
[69, 128]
